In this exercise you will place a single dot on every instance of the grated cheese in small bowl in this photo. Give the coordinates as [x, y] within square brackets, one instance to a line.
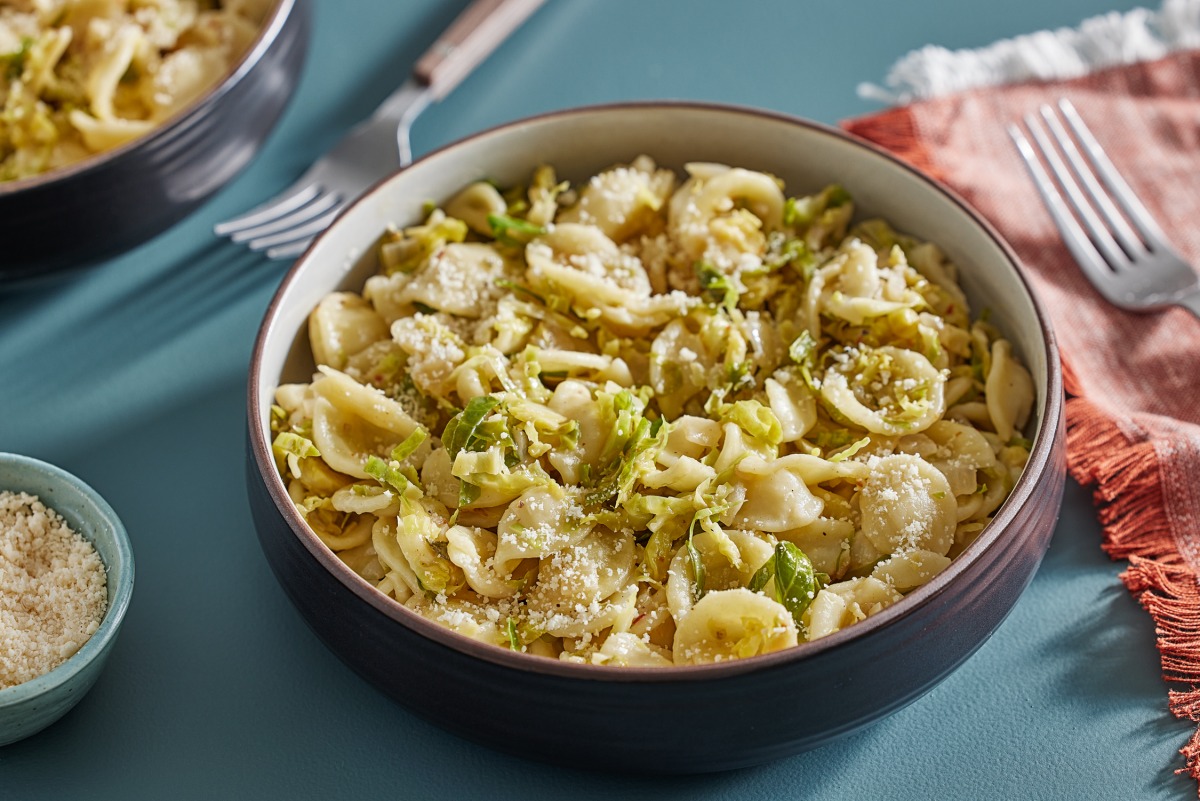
[66, 579]
[53, 591]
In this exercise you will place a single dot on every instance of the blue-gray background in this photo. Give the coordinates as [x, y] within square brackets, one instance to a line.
[132, 375]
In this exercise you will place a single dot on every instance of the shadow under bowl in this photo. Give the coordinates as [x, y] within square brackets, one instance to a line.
[83, 213]
[27, 708]
[685, 719]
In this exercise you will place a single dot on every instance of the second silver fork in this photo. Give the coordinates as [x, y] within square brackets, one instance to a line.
[1119, 246]
[284, 226]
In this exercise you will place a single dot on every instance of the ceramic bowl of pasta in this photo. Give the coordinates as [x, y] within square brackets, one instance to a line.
[628, 421]
[118, 118]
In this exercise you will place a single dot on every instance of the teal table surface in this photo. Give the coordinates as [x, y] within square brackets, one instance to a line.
[133, 376]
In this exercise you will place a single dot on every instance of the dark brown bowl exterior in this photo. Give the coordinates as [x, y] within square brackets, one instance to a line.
[684, 719]
[591, 717]
[112, 202]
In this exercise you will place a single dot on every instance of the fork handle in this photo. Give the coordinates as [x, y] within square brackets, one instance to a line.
[469, 40]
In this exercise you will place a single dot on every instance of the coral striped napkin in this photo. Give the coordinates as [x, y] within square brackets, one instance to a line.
[1133, 381]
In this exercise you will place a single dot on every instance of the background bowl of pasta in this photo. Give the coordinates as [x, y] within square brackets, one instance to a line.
[121, 118]
[655, 434]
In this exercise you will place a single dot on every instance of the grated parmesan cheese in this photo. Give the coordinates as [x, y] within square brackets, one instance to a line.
[53, 591]
[622, 397]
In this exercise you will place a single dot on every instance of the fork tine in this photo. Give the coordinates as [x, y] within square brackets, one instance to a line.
[1077, 241]
[306, 231]
[289, 251]
[1099, 234]
[1117, 225]
[1124, 195]
[289, 200]
[322, 204]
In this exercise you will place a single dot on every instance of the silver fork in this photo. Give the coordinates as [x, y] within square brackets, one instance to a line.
[285, 225]
[1116, 241]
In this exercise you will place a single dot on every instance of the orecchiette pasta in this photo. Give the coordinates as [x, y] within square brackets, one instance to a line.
[732, 624]
[641, 421]
[78, 77]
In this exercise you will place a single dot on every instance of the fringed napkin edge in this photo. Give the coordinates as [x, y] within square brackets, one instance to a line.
[1121, 468]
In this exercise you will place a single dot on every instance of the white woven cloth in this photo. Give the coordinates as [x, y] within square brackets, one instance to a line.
[1104, 41]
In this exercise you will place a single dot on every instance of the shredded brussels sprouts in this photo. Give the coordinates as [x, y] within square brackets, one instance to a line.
[653, 419]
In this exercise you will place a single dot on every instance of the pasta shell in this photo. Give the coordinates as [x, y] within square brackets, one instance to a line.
[733, 624]
[342, 325]
[907, 505]
[1009, 391]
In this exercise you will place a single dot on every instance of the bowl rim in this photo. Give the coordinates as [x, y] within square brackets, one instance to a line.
[119, 596]
[281, 11]
[991, 536]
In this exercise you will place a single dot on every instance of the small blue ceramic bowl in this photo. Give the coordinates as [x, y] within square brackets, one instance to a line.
[28, 708]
